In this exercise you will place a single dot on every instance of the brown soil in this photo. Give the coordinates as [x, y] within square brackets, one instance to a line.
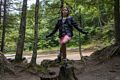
[87, 70]
[93, 70]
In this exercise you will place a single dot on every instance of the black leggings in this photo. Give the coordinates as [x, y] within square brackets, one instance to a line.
[63, 50]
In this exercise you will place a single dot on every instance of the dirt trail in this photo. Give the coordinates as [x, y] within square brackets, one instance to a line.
[71, 54]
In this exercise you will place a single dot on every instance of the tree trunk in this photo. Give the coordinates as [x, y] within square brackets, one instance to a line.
[67, 73]
[34, 55]
[20, 44]
[0, 12]
[117, 21]
[4, 26]
[62, 3]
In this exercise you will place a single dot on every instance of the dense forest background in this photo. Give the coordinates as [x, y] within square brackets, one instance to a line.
[95, 16]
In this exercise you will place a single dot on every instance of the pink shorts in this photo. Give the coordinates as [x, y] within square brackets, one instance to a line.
[64, 39]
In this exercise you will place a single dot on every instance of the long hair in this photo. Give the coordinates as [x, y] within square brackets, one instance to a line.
[67, 10]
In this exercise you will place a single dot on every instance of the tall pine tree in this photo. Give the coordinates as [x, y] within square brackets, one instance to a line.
[34, 55]
[117, 21]
[21, 39]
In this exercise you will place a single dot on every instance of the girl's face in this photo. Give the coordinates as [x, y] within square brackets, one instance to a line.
[65, 12]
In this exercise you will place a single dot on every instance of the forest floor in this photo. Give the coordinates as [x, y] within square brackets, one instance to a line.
[88, 70]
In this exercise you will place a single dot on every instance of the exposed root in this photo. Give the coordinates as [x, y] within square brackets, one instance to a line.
[5, 65]
[106, 53]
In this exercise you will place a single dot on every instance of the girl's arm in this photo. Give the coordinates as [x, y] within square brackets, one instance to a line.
[77, 26]
[54, 30]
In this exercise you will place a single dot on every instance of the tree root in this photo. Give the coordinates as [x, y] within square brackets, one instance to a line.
[106, 53]
[5, 65]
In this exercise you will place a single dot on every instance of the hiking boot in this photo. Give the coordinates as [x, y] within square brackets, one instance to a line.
[58, 59]
[65, 61]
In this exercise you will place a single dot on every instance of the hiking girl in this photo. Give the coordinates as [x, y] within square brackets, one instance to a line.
[65, 27]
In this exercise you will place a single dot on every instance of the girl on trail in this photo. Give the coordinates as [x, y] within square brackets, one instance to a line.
[65, 26]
